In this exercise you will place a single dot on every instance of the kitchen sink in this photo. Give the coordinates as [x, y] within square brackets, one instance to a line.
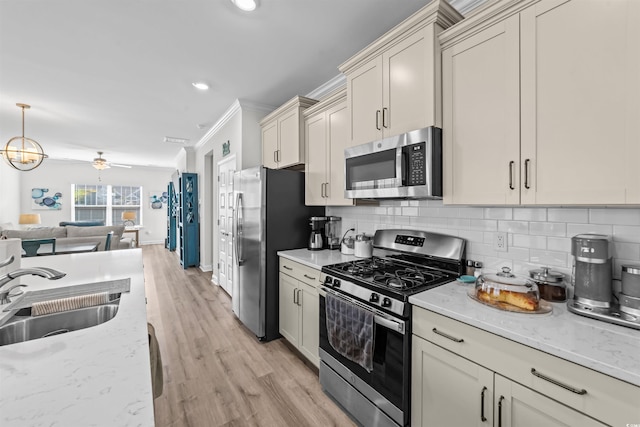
[21, 328]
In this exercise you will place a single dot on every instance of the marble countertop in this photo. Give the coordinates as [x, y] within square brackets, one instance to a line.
[98, 376]
[610, 349]
[316, 259]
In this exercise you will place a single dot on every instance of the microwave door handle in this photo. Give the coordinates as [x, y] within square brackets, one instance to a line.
[400, 167]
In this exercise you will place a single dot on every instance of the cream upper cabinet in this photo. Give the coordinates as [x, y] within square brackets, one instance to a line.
[580, 85]
[540, 104]
[393, 85]
[326, 135]
[481, 123]
[283, 134]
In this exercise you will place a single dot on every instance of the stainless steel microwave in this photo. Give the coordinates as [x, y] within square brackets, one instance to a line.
[407, 166]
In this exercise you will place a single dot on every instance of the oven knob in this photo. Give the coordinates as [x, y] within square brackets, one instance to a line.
[374, 298]
[328, 280]
[386, 302]
[336, 283]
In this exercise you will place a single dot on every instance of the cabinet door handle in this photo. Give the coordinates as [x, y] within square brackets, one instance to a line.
[500, 411]
[326, 190]
[526, 173]
[295, 292]
[286, 267]
[558, 383]
[511, 163]
[309, 277]
[275, 158]
[323, 189]
[378, 120]
[482, 417]
[442, 334]
[278, 156]
[299, 300]
[384, 117]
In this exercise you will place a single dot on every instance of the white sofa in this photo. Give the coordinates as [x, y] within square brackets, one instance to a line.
[72, 234]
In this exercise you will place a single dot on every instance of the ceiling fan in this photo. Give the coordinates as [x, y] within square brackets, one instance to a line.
[101, 163]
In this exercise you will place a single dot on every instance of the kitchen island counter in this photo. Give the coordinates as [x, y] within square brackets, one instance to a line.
[610, 349]
[98, 376]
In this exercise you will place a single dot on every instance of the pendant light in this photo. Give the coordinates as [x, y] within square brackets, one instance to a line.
[22, 153]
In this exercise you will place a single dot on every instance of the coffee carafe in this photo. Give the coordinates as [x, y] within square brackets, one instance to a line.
[316, 238]
[592, 270]
[332, 232]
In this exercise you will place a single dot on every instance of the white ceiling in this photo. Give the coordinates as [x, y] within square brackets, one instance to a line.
[115, 75]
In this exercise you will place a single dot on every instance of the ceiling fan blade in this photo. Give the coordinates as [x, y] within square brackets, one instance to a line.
[120, 166]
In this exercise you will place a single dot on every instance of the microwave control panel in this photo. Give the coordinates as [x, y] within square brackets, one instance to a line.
[415, 157]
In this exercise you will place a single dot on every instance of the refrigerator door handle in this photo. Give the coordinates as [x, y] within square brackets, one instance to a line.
[238, 230]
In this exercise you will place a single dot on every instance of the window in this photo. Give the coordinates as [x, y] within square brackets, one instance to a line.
[106, 203]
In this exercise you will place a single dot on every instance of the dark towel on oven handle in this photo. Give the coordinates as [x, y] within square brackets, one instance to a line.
[350, 330]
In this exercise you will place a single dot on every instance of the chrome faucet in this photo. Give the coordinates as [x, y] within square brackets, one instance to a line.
[47, 273]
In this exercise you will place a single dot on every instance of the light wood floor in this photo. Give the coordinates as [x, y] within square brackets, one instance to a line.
[216, 373]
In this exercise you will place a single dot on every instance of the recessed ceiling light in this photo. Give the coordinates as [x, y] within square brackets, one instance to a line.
[246, 5]
[200, 85]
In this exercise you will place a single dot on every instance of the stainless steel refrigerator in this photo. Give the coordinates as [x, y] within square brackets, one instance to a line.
[269, 216]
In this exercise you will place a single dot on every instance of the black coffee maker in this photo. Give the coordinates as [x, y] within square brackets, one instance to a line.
[317, 237]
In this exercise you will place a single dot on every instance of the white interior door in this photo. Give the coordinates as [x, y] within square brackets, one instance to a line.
[225, 223]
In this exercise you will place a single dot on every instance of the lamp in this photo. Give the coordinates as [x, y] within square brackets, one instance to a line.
[28, 219]
[23, 153]
[129, 218]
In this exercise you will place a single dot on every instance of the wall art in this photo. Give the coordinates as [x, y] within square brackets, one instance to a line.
[158, 199]
[45, 199]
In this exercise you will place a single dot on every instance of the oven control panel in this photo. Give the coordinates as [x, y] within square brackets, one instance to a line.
[373, 298]
[410, 240]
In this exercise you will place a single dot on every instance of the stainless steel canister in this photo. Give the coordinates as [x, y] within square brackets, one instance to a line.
[631, 280]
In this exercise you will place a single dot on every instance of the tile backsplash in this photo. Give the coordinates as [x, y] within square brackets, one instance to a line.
[535, 236]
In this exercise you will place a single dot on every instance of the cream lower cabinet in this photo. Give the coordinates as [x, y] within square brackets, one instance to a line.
[299, 308]
[464, 376]
[393, 85]
[283, 134]
[450, 390]
[541, 104]
[326, 137]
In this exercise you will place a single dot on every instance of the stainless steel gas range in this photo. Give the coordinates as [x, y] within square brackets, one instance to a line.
[365, 321]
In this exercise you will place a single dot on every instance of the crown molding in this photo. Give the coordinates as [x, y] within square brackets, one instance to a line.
[224, 119]
[338, 82]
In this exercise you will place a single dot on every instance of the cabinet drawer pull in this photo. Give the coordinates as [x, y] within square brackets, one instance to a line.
[442, 334]
[500, 411]
[558, 383]
[526, 173]
[309, 277]
[378, 120]
[384, 117]
[286, 267]
[511, 163]
[482, 417]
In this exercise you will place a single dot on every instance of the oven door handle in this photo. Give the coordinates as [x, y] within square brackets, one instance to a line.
[389, 324]
[378, 318]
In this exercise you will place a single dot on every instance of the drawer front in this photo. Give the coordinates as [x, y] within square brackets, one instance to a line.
[305, 274]
[607, 399]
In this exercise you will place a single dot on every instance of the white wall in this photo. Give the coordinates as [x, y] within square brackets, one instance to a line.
[536, 236]
[59, 175]
[240, 127]
[9, 193]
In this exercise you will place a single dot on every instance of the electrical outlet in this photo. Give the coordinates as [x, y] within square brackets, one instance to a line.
[500, 241]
